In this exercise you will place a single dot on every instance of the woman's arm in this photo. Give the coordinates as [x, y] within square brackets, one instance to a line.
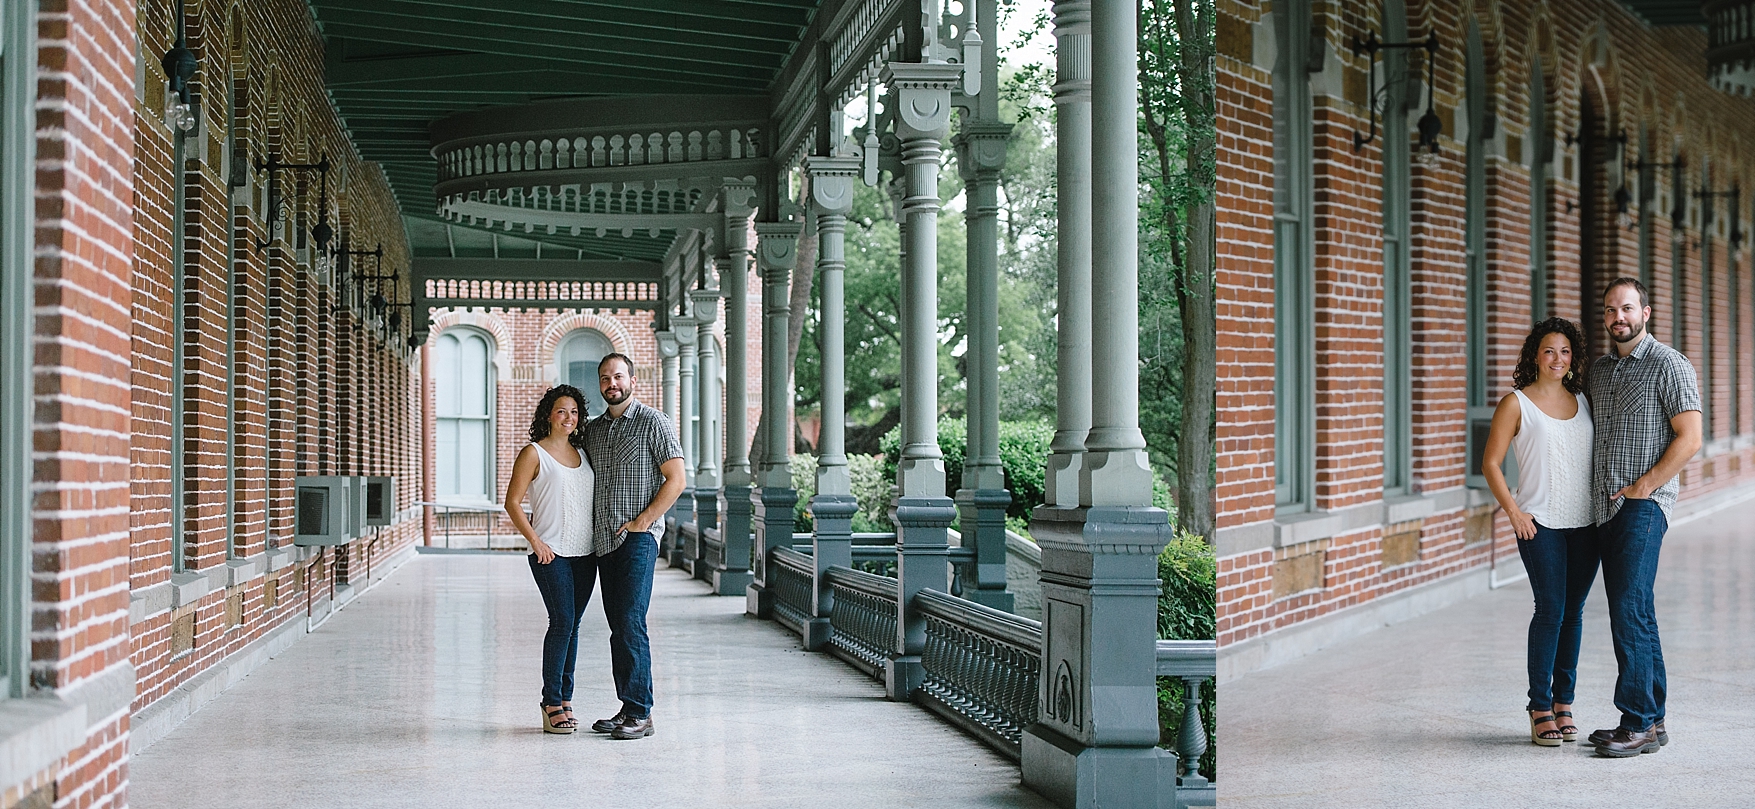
[1506, 418]
[523, 471]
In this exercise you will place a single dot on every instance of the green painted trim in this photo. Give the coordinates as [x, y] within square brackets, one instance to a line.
[1398, 333]
[179, 465]
[1541, 140]
[1294, 289]
[17, 328]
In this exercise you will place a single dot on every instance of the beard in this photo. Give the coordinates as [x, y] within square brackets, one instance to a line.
[1634, 332]
[613, 399]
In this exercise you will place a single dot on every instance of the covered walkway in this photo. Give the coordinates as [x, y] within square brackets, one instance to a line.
[423, 693]
[1427, 712]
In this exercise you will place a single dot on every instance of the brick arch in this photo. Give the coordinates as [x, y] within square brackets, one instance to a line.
[485, 321]
[560, 328]
[1485, 15]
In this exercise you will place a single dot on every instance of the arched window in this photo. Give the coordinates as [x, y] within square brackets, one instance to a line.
[463, 403]
[577, 359]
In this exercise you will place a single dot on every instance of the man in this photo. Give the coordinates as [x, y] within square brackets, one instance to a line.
[638, 462]
[1646, 407]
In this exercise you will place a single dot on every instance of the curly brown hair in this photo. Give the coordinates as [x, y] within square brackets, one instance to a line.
[1525, 375]
[539, 425]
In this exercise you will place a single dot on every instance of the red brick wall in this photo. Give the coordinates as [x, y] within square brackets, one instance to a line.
[524, 344]
[85, 221]
[1636, 75]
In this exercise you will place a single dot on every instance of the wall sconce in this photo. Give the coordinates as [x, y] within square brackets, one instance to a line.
[276, 210]
[1709, 195]
[179, 65]
[1429, 125]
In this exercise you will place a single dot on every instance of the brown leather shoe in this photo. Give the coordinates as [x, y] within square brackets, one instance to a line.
[1624, 743]
[607, 725]
[1597, 737]
[632, 728]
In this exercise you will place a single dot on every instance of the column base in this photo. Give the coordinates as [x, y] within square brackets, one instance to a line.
[983, 517]
[816, 634]
[757, 601]
[706, 517]
[682, 511]
[903, 675]
[730, 582]
[1078, 777]
[772, 507]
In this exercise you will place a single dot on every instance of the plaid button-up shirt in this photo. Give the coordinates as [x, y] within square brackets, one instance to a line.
[626, 454]
[1633, 399]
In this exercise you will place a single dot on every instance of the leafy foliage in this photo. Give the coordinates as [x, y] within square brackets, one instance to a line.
[1023, 452]
[1187, 611]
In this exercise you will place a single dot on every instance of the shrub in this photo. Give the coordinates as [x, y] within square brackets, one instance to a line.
[1187, 611]
[1023, 452]
[804, 479]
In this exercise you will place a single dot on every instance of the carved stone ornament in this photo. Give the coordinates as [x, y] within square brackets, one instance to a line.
[706, 305]
[683, 331]
[831, 183]
[923, 94]
[777, 245]
[667, 342]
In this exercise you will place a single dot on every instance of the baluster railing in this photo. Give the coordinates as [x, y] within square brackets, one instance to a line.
[863, 618]
[1194, 662]
[791, 583]
[982, 668]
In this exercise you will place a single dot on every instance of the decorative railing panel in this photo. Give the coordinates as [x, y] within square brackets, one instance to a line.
[790, 574]
[451, 288]
[982, 668]
[712, 549]
[863, 618]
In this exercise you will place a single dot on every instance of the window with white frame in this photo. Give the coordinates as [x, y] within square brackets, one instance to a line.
[1398, 334]
[1479, 120]
[463, 404]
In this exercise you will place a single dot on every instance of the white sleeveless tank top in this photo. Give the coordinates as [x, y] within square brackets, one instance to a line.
[1553, 465]
[560, 503]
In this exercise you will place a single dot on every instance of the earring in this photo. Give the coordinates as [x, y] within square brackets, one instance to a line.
[1568, 376]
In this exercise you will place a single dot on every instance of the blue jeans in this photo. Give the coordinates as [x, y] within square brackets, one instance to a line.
[565, 584]
[1562, 564]
[626, 574]
[1629, 544]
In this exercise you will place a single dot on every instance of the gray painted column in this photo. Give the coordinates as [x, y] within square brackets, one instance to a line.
[922, 512]
[707, 468]
[668, 364]
[897, 188]
[983, 498]
[833, 507]
[681, 547]
[733, 574]
[774, 498]
[1072, 102]
[1093, 744]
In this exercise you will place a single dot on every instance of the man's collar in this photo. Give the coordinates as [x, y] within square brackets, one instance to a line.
[632, 403]
[1643, 347]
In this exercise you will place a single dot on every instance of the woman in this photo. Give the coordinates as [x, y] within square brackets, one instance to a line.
[1547, 420]
[552, 469]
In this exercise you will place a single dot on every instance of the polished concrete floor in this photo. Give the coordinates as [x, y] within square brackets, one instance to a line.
[423, 692]
[1429, 712]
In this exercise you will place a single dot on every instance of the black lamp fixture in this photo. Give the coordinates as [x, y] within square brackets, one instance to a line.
[321, 233]
[1709, 196]
[1429, 126]
[1679, 211]
[180, 65]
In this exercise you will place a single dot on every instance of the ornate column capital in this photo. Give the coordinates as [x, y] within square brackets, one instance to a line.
[777, 249]
[668, 343]
[981, 149]
[706, 306]
[683, 332]
[831, 183]
[923, 96]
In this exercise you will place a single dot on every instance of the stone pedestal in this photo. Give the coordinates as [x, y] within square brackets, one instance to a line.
[1094, 744]
[982, 515]
[773, 507]
[733, 575]
[706, 517]
[832, 544]
[922, 562]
